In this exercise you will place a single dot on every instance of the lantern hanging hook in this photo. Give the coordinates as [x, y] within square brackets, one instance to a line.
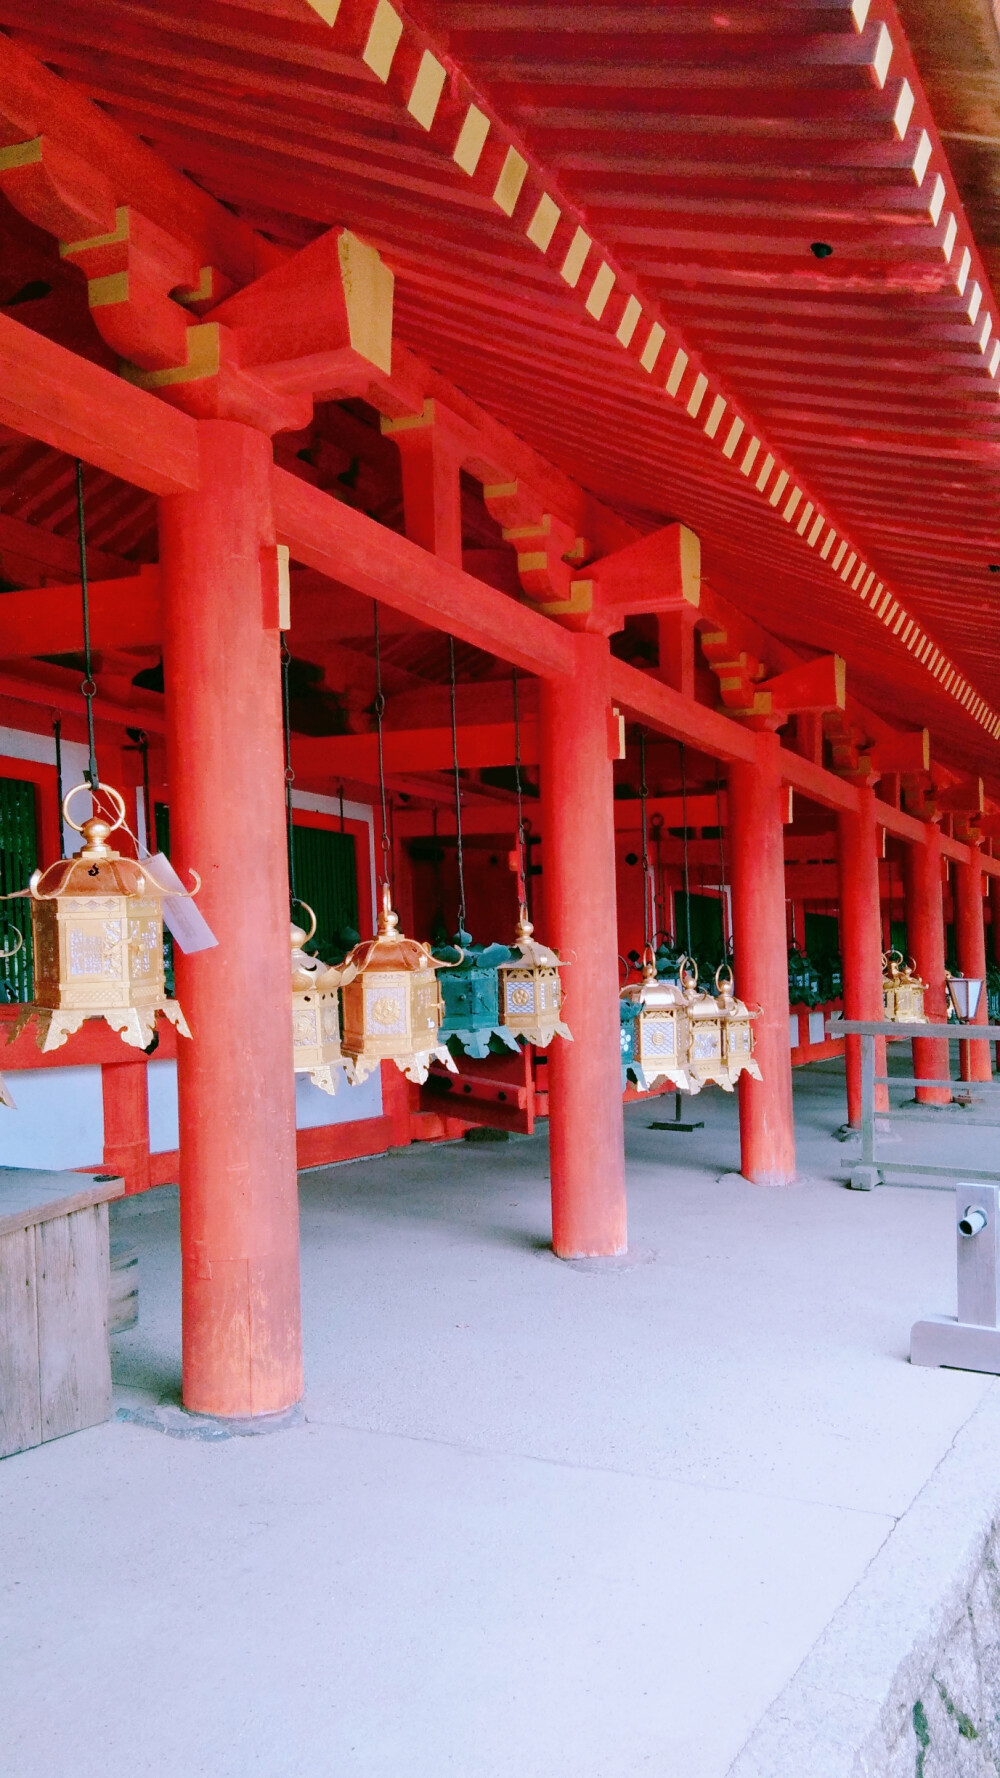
[522, 864]
[18, 947]
[286, 721]
[458, 789]
[107, 790]
[299, 903]
[379, 714]
[89, 687]
[687, 872]
[648, 912]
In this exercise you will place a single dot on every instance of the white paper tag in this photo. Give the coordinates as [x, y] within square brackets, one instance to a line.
[182, 917]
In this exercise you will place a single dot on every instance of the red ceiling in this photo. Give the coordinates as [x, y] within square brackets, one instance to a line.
[704, 150]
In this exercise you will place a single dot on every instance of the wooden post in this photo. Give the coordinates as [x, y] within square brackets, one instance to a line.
[767, 1123]
[239, 1203]
[586, 1134]
[924, 909]
[861, 940]
[124, 1088]
[970, 938]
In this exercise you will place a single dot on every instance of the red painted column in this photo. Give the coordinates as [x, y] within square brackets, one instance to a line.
[586, 1136]
[124, 1090]
[861, 939]
[239, 1202]
[767, 1121]
[924, 911]
[970, 940]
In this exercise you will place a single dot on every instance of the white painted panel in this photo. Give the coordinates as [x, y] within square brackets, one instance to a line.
[161, 1078]
[793, 1030]
[59, 1121]
[817, 1020]
[313, 1108]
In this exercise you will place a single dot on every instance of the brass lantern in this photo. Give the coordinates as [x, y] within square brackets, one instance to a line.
[392, 1003]
[902, 991]
[659, 1030]
[721, 1036]
[737, 1029]
[531, 989]
[97, 926]
[315, 1011]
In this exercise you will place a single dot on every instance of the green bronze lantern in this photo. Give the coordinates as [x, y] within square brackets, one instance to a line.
[471, 994]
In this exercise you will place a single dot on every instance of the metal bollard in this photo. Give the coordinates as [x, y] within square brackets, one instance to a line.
[969, 1341]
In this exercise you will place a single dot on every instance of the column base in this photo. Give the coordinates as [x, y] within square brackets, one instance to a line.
[170, 1417]
[942, 1340]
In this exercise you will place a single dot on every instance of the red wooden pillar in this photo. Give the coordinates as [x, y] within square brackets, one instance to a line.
[970, 940]
[126, 1122]
[767, 1123]
[861, 940]
[239, 1203]
[924, 910]
[586, 1137]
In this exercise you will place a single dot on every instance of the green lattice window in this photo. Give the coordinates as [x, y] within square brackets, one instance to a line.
[18, 858]
[326, 876]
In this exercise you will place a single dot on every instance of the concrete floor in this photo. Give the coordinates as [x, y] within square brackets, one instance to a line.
[542, 1520]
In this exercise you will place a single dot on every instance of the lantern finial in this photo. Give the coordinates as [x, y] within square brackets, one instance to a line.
[388, 920]
[97, 925]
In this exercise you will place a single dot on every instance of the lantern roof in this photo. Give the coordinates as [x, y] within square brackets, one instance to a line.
[465, 954]
[97, 869]
[389, 949]
[527, 950]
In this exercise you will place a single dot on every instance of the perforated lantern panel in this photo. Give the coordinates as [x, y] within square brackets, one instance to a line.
[98, 951]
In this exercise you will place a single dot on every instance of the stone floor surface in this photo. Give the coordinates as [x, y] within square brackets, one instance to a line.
[540, 1520]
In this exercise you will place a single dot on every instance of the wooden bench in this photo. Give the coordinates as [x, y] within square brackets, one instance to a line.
[55, 1365]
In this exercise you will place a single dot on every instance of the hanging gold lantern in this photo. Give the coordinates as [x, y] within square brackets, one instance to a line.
[315, 1011]
[531, 989]
[97, 927]
[660, 1033]
[721, 1035]
[392, 1003]
[902, 990]
[737, 1029]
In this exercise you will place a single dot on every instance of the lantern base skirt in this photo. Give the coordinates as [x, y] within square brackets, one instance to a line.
[416, 1065]
[324, 1077]
[135, 1025]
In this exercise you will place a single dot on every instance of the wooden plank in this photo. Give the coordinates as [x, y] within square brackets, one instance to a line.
[815, 782]
[124, 613]
[29, 1195]
[672, 713]
[73, 1276]
[20, 1401]
[50, 554]
[351, 548]
[49, 393]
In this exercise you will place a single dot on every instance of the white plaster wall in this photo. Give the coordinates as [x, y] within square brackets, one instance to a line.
[161, 1081]
[59, 1121]
[313, 1108]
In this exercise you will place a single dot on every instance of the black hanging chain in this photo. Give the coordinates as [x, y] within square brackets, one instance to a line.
[458, 791]
[57, 733]
[88, 688]
[379, 714]
[286, 716]
[687, 873]
[726, 942]
[522, 862]
[647, 920]
[340, 791]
